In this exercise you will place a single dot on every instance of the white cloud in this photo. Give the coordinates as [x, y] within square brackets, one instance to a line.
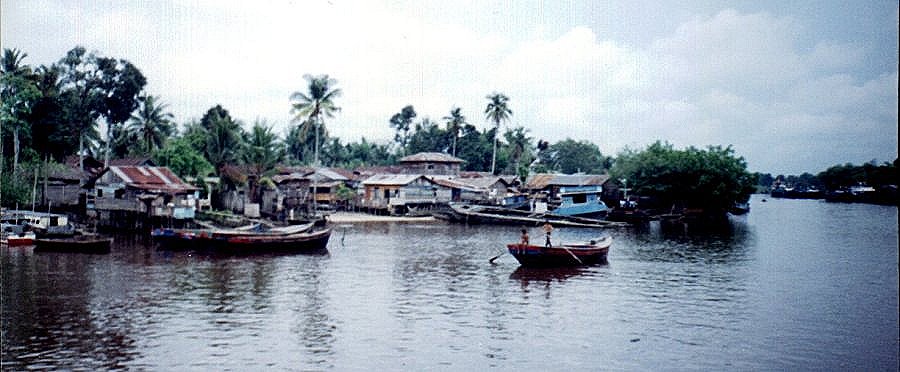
[726, 77]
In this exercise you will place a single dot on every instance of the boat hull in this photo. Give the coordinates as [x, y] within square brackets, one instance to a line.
[540, 256]
[77, 244]
[198, 240]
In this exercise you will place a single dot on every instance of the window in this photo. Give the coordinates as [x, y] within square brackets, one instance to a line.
[579, 198]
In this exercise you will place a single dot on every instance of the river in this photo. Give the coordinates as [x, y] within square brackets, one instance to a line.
[794, 285]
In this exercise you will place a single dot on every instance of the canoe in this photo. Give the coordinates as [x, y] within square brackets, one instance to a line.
[589, 253]
[245, 243]
[74, 244]
[477, 214]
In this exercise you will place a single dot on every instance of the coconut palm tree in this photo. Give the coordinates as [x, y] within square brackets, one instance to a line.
[310, 107]
[152, 122]
[19, 92]
[497, 111]
[455, 121]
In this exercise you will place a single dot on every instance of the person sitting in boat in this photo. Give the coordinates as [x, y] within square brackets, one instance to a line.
[548, 228]
[525, 239]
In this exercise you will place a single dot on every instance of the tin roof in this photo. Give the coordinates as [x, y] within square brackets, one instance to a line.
[433, 157]
[543, 180]
[392, 179]
[158, 179]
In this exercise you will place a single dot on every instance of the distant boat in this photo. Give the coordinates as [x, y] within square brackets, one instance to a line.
[43, 223]
[74, 244]
[478, 214]
[589, 253]
[740, 209]
[292, 239]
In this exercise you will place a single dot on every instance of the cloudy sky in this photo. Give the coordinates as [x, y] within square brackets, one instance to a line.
[793, 87]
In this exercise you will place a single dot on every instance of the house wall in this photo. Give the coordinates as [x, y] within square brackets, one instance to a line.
[430, 168]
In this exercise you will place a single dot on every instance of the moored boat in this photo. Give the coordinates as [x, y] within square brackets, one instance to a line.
[74, 244]
[243, 242]
[589, 253]
[478, 214]
[17, 239]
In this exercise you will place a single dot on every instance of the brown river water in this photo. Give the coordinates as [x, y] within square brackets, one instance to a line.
[794, 285]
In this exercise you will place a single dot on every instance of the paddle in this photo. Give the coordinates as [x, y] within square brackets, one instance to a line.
[573, 254]
[491, 260]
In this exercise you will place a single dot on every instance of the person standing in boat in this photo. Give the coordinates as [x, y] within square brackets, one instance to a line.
[548, 228]
[525, 239]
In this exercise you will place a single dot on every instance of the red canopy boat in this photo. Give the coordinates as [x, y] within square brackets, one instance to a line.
[588, 253]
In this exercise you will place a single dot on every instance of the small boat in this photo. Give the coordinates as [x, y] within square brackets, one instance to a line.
[243, 242]
[17, 239]
[479, 214]
[589, 253]
[74, 244]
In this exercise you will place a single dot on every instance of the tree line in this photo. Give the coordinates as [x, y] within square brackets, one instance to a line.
[52, 112]
[836, 177]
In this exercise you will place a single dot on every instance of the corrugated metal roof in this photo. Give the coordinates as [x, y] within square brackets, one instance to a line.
[392, 179]
[151, 178]
[456, 184]
[543, 180]
[434, 157]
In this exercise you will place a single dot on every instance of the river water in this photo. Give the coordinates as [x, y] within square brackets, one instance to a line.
[794, 285]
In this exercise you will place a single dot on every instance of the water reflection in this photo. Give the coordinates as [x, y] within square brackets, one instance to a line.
[51, 317]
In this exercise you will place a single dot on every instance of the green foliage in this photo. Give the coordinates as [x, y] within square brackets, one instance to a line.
[455, 121]
[712, 179]
[497, 111]
[840, 176]
[223, 137]
[262, 151]
[179, 155]
[570, 156]
[310, 108]
[428, 137]
[151, 123]
[401, 122]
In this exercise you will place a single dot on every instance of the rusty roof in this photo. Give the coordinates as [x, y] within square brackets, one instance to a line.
[433, 157]
[154, 179]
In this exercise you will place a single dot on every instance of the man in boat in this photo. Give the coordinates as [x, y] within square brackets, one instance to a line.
[525, 237]
[548, 228]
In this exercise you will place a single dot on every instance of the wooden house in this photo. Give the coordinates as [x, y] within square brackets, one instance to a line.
[431, 163]
[399, 193]
[125, 194]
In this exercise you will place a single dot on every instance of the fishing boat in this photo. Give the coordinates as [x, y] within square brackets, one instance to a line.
[589, 253]
[74, 244]
[479, 214]
[291, 239]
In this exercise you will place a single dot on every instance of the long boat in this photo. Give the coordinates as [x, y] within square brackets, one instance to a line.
[74, 244]
[242, 242]
[589, 253]
[478, 214]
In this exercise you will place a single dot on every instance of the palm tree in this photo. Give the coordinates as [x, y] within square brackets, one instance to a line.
[152, 122]
[18, 91]
[497, 112]
[454, 123]
[310, 107]
[519, 148]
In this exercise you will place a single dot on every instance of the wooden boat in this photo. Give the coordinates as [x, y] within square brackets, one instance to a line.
[589, 253]
[74, 244]
[478, 214]
[245, 242]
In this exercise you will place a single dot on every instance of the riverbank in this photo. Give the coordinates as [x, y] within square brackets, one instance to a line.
[353, 217]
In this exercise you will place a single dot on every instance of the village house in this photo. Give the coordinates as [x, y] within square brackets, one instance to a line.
[431, 163]
[128, 196]
[400, 193]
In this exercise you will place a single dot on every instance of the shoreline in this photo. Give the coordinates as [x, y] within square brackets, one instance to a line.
[355, 217]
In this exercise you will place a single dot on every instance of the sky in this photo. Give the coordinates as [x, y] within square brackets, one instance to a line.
[793, 87]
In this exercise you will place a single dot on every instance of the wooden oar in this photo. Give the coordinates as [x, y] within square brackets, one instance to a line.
[573, 254]
[491, 260]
